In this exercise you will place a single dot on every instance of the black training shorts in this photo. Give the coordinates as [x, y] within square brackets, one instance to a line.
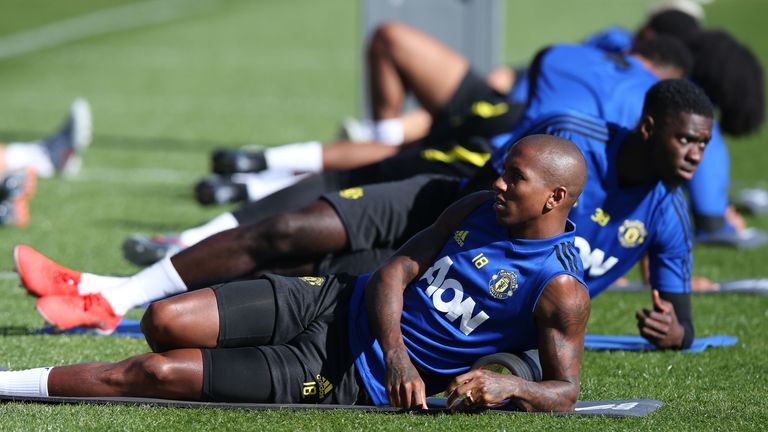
[358, 262]
[308, 359]
[475, 109]
[385, 215]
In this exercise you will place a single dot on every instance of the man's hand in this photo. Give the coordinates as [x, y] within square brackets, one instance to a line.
[660, 326]
[405, 387]
[478, 388]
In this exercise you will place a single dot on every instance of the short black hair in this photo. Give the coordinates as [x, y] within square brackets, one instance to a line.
[673, 23]
[665, 51]
[676, 96]
[733, 77]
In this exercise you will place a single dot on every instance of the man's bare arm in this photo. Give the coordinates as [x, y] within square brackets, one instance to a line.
[561, 318]
[384, 299]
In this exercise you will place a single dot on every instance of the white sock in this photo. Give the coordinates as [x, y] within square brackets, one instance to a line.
[29, 382]
[92, 283]
[300, 157]
[21, 155]
[266, 182]
[389, 131]
[216, 225]
[158, 281]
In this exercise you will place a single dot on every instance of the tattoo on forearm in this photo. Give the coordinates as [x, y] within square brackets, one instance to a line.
[561, 350]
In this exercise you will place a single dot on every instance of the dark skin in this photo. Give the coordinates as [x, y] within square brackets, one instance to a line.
[531, 208]
[176, 328]
[560, 326]
[175, 369]
[270, 245]
[673, 146]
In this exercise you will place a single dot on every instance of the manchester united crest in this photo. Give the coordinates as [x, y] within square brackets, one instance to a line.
[632, 233]
[503, 284]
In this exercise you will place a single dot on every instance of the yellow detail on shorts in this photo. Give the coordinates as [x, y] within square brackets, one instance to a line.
[601, 217]
[457, 153]
[485, 109]
[324, 386]
[460, 236]
[309, 389]
[314, 281]
[632, 233]
[352, 193]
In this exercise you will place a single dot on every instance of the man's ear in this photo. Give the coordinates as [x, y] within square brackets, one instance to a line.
[646, 126]
[557, 198]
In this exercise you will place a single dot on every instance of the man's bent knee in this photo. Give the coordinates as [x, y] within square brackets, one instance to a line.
[157, 324]
[385, 36]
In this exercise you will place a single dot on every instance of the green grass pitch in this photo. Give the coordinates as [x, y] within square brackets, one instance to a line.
[268, 72]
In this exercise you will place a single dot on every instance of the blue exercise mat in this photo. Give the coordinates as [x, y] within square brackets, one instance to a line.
[126, 328]
[757, 286]
[638, 343]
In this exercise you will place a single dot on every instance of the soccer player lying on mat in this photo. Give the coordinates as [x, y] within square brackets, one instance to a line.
[58, 154]
[632, 205]
[611, 87]
[513, 283]
[637, 70]
[443, 81]
[455, 103]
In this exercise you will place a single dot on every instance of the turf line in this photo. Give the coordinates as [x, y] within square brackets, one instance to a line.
[8, 275]
[135, 175]
[98, 23]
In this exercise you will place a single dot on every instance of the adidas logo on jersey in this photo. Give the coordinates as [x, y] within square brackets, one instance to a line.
[460, 237]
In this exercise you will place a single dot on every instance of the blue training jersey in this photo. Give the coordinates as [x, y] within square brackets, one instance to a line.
[596, 78]
[613, 39]
[589, 80]
[618, 225]
[477, 298]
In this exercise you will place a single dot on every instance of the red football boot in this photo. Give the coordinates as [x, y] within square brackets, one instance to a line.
[68, 311]
[41, 276]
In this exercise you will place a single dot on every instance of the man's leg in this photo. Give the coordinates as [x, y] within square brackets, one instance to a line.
[401, 58]
[245, 310]
[296, 238]
[174, 374]
[309, 233]
[190, 320]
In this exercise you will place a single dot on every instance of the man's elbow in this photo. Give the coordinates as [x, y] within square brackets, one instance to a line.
[570, 397]
[563, 398]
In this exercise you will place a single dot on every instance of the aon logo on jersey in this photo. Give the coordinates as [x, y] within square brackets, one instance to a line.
[453, 304]
[595, 263]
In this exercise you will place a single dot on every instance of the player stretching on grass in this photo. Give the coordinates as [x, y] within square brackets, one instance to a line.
[510, 283]
[22, 162]
[729, 72]
[610, 87]
[632, 205]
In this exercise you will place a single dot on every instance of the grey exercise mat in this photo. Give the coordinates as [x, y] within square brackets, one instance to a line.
[744, 286]
[611, 408]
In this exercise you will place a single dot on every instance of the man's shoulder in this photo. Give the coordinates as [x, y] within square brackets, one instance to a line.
[573, 49]
[574, 125]
[671, 206]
